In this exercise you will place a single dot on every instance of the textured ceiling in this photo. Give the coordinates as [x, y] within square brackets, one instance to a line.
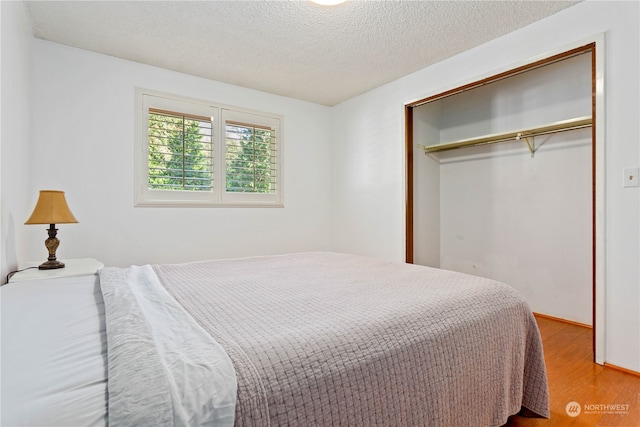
[292, 48]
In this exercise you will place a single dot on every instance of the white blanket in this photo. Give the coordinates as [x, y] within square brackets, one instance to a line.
[164, 369]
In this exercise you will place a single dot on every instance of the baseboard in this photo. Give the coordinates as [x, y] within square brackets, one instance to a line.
[559, 319]
[608, 365]
[621, 369]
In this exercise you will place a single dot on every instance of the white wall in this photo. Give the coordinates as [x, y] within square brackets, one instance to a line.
[83, 105]
[523, 221]
[369, 176]
[426, 187]
[368, 204]
[16, 123]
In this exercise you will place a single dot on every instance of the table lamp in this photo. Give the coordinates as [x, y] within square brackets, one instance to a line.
[51, 209]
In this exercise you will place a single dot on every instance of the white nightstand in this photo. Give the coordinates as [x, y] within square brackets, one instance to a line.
[73, 267]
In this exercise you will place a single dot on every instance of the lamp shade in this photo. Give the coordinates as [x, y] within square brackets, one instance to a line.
[51, 208]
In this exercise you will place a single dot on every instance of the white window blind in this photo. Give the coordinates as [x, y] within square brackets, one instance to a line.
[251, 158]
[180, 149]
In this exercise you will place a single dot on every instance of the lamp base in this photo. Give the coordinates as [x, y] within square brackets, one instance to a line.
[51, 244]
[51, 265]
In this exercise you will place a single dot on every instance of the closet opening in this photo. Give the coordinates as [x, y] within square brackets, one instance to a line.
[504, 180]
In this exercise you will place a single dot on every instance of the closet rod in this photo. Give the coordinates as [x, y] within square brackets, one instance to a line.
[561, 126]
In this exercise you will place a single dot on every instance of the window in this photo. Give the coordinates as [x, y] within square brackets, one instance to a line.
[197, 153]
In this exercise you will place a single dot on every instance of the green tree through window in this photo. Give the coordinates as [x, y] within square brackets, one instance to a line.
[250, 158]
[180, 151]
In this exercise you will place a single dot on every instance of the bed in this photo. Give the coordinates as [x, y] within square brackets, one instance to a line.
[306, 339]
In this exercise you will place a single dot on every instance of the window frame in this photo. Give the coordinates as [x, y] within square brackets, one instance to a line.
[218, 196]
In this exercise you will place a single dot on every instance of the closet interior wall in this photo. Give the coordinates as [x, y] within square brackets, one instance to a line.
[499, 212]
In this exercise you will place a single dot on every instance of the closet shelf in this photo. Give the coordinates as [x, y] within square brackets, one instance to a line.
[522, 134]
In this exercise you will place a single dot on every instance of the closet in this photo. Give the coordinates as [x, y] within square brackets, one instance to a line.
[500, 180]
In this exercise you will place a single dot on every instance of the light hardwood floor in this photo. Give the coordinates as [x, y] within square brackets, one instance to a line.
[573, 377]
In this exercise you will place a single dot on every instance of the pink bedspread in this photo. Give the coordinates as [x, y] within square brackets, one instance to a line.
[327, 339]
